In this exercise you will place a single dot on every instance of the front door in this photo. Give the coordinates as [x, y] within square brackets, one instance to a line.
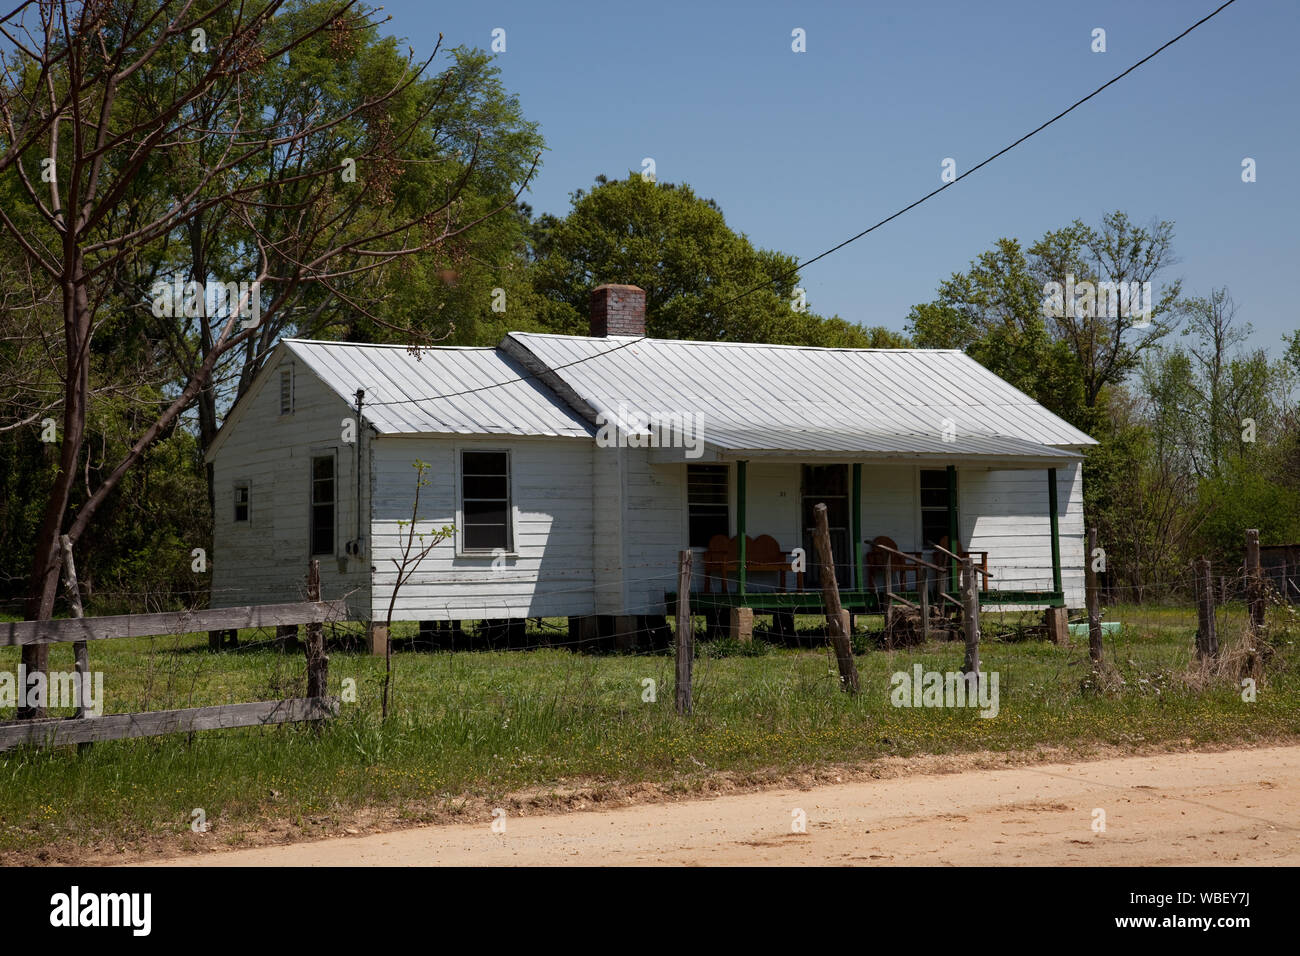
[828, 485]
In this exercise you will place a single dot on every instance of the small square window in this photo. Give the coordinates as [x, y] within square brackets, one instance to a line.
[241, 501]
[286, 391]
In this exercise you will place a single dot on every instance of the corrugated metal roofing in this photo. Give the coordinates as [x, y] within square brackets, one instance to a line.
[795, 394]
[410, 395]
[737, 441]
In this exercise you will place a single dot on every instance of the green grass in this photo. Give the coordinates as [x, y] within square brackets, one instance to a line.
[481, 725]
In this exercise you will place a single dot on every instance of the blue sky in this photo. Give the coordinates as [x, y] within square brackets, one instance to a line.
[802, 150]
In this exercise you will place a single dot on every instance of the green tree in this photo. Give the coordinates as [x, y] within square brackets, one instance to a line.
[702, 279]
[993, 313]
[106, 98]
[1009, 312]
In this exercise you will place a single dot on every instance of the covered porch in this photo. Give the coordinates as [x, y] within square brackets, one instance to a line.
[892, 499]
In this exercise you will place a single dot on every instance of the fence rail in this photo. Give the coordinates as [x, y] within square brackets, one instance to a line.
[55, 732]
[35, 729]
[169, 622]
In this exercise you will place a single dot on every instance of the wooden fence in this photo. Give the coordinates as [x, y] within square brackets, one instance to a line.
[51, 732]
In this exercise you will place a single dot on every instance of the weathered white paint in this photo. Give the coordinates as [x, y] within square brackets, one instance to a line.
[549, 571]
[264, 560]
[653, 531]
[1005, 513]
[596, 530]
[608, 492]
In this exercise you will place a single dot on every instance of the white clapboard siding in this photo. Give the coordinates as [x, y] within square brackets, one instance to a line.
[264, 560]
[890, 506]
[1006, 514]
[653, 527]
[549, 573]
[1003, 512]
[607, 497]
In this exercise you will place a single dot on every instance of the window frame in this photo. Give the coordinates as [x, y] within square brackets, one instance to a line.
[245, 486]
[512, 537]
[315, 456]
[726, 500]
[921, 509]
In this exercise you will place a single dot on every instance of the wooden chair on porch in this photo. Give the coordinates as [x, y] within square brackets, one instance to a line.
[904, 575]
[880, 562]
[761, 554]
[981, 560]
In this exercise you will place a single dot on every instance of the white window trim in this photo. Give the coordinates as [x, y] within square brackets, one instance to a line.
[329, 451]
[461, 551]
[917, 506]
[732, 502]
[235, 486]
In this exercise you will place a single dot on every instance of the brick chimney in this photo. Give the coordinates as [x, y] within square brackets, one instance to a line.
[617, 310]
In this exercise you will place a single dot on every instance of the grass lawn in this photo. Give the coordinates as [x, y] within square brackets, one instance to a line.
[475, 726]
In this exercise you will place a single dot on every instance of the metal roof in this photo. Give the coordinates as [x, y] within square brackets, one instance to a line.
[738, 443]
[410, 394]
[782, 397]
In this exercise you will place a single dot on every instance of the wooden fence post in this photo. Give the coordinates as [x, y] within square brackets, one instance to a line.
[1093, 597]
[318, 665]
[1254, 581]
[1207, 644]
[835, 616]
[685, 634]
[970, 592]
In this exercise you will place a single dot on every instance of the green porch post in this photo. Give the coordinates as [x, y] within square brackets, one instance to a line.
[1056, 530]
[952, 527]
[857, 527]
[740, 518]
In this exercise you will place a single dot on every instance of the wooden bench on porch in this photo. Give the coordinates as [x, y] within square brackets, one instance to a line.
[761, 554]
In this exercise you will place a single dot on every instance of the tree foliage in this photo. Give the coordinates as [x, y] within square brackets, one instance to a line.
[702, 279]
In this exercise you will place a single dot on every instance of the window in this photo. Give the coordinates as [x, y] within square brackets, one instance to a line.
[286, 390]
[322, 504]
[485, 500]
[241, 501]
[934, 507]
[706, 503]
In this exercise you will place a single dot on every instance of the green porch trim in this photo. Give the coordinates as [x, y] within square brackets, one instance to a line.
[1056, 530]
[952, 527]
[741, 495]
[858, 580]
[857, 601]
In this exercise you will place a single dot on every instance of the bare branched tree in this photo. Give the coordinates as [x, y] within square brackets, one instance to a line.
[415, 548]
[103, 98]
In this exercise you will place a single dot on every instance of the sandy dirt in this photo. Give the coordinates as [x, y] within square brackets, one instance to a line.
[1228, 807]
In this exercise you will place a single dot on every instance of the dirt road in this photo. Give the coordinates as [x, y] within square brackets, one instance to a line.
[1240, 806]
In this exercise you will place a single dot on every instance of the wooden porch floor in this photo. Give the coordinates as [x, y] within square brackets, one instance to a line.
[859, 602]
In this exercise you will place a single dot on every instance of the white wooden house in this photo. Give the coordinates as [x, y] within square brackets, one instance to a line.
[573, 469]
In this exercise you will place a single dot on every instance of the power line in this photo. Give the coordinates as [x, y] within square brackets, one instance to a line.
[511, 381]
[822, 255]
[1005, 149]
